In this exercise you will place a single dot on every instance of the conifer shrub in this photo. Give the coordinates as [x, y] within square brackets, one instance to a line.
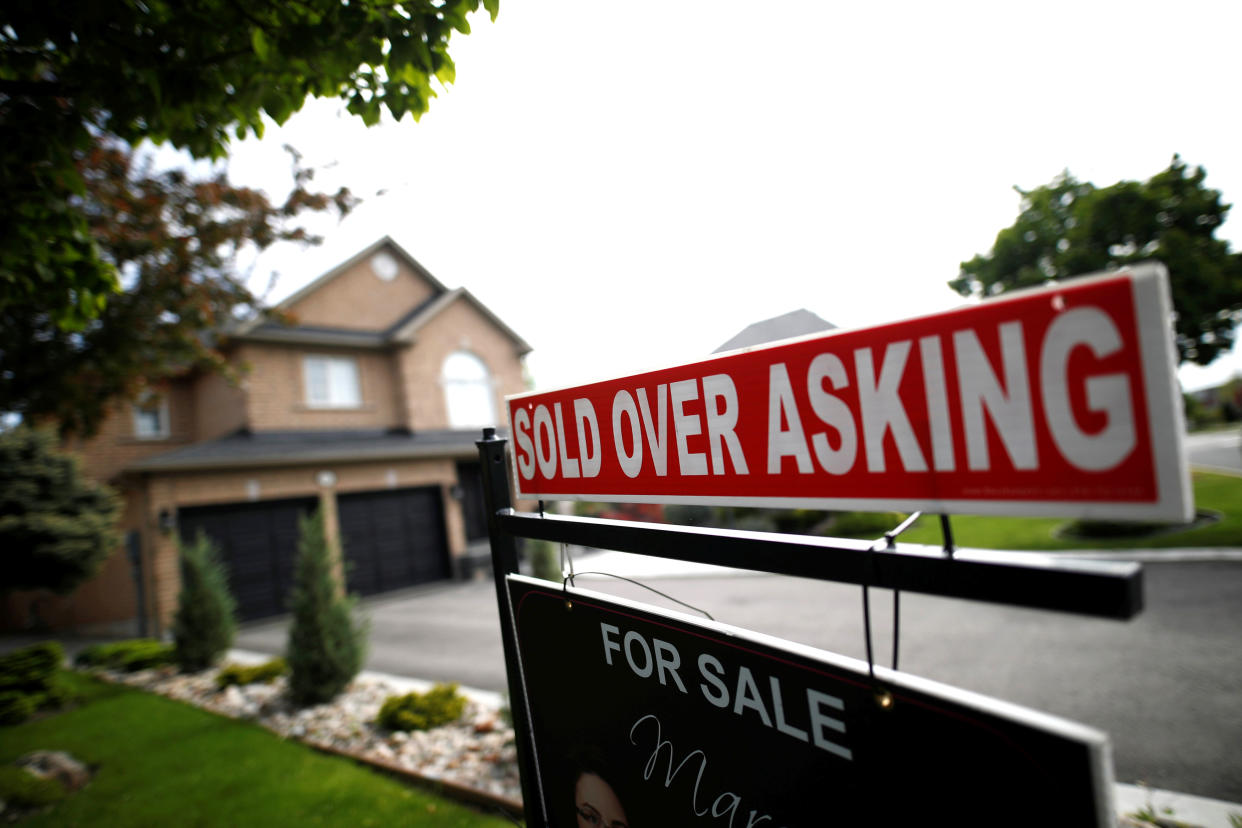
[326, 641]
[545, 559]
[205, 622]
[267, 672]
[440, 705]
[57, 526]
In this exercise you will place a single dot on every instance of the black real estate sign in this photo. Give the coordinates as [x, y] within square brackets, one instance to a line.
[689, 722]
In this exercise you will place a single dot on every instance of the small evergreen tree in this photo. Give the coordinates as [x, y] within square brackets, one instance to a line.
[56, 525]
[545, 560]
[326, 643]
[205, 623]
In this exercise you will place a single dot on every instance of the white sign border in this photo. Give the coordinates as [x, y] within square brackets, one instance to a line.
[1153, 309]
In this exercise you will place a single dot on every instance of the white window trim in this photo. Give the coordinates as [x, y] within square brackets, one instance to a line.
[136, 413]
[338, 401]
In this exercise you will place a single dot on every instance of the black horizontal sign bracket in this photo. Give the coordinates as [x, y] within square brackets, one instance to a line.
[1106, 589]
[1102, 589]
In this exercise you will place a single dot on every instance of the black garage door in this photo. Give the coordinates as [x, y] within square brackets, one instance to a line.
[473, 511]
[258, 543]
[393, 538]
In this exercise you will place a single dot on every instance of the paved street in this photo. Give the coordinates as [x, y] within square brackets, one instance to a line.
[1219, 450]
[1165, 686]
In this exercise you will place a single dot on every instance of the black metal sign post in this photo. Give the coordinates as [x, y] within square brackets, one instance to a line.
[505, 562]
[1101, 589]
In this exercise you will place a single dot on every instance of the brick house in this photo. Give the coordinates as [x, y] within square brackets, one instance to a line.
[367, 406]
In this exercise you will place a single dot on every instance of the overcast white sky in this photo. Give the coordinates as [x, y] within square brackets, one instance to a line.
[629, 185]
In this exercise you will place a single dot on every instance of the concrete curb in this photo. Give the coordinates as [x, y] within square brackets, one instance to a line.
[1197, 811]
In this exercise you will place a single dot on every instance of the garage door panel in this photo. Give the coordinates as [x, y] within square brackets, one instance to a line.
[393, 538]
[258, 544]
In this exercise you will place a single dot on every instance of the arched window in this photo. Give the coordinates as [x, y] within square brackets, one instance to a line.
[468, 391]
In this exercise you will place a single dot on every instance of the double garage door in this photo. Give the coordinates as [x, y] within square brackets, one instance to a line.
[391, 539]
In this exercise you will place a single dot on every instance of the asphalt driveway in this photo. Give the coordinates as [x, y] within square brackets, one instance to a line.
[439, 632]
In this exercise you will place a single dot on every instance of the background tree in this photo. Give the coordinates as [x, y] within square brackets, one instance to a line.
[205, 623]
[191, 74]
[1070, 228]
[326, 644]
[175, 240]
[56, 527]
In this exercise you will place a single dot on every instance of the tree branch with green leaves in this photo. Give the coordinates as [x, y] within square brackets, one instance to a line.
[192, 75]
[1071, 228]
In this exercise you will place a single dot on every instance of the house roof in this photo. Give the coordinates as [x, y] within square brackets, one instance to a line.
[795, 323]
[403, 331]
[365, 253]
[289, 448]
[408, 328]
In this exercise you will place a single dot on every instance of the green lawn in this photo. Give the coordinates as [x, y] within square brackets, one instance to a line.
[1213, 492]
[161, 762]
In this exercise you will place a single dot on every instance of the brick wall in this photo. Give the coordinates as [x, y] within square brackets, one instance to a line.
[360, 300]
[276, 393]
[459, 327]
[220, 406]
[107, 604]
[115, 446]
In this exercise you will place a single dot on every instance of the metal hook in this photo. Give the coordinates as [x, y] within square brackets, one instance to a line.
[883, 698]
[946, 532]
[567, 573]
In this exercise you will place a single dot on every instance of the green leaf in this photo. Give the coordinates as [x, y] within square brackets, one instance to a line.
[401, 55]
[258, 42]
[447, 73]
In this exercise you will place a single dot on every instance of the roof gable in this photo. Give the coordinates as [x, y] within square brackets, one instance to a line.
[408, 330]
[349, 307]
[795, 323]
[370, 291]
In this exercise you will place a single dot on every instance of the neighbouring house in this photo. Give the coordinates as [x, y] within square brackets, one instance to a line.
[795, 323]
[368, 405]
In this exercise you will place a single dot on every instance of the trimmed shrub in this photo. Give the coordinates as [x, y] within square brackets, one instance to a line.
[58, 693]
[865, 524]
[205, 623]
[789, 521]
[326, 643]
[31, 680]
[19, 788]
[16, 707]
[31, 669]
[267, 672]
[440, 705]
[1103, 529]
[129, 655]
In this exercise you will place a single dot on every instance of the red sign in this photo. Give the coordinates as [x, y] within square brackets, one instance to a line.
[1055, 401]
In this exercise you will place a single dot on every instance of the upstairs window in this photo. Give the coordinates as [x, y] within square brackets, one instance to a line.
[331, 382]
[468, 391]
[151, 417]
